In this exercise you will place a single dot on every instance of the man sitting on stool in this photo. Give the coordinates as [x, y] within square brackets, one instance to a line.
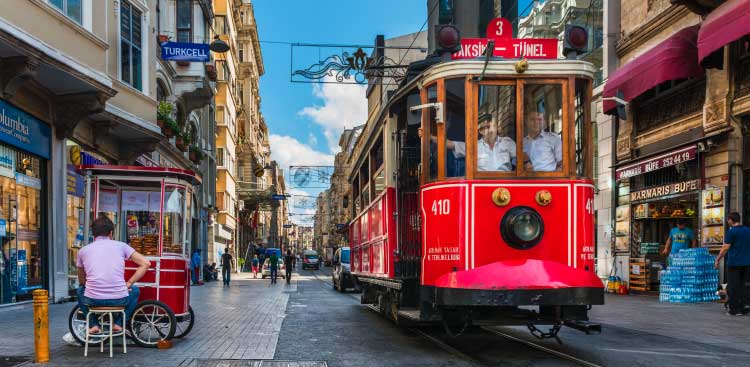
[101, 273]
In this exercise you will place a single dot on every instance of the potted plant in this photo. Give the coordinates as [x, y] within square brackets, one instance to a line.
[163, 112]
[182, 141]
[211, 72]
[170, 128]
[163, 38]
[196, 154]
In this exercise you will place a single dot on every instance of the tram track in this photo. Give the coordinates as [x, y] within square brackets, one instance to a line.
[434, 338]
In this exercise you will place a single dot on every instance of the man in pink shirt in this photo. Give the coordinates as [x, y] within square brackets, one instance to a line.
[101, 273]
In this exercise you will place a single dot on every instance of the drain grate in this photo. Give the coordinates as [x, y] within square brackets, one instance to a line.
[254, 363]
[13, 361]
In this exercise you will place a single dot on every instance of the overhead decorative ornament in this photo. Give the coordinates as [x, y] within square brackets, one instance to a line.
[351, 67]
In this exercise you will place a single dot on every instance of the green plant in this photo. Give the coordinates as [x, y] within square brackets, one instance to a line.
[196, 154]
[164, 111]
[171, 124]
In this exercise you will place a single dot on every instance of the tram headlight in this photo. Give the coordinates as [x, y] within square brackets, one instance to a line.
[522, 227]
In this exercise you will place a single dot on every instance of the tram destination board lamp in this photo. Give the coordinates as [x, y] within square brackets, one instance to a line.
[575, 42]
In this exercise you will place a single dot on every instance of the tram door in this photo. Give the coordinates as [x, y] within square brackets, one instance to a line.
[408, 156]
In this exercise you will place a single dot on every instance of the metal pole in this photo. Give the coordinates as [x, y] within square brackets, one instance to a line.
[41, 325]
[87, 209]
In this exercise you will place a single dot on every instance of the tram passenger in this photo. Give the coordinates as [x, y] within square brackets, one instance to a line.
[542, 150]
[101, 273]
[494, 153]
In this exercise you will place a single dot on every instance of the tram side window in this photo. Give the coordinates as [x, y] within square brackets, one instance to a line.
[377, 168]
[364, 180]
[496, 129]
[542, 141]
[432, 98]
[355, 194]
[584, 147]
[174, 210]
[455, 132]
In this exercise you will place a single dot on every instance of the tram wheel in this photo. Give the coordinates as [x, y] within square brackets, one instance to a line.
[151, 322]
[184, 323]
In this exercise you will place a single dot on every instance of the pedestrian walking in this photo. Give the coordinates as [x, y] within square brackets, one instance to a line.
[737, 251]
[680, 237]
[256, 262]
[226, 266]
[273, 264]
[288, 265]
[195, 264]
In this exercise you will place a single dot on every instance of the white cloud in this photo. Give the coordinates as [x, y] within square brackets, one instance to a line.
[344, 106]
[312, 140]
[288, 151]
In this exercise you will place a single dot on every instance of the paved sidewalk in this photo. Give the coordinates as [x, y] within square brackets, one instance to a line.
[241, 321]
[704, 323]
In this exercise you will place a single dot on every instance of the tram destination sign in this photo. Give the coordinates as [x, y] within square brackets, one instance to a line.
[500, 31]
[665, 190]
[662, 161]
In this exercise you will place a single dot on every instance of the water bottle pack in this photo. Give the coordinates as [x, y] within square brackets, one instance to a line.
[690, 277]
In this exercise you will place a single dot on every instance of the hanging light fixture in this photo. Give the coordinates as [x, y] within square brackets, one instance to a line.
[218, 45]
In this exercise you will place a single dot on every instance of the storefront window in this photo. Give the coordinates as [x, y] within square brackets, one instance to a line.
[174, 215]
[543, 126]
[22, 265]
[496, 129]
[74, 213]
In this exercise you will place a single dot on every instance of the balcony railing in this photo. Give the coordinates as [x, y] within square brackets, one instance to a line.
[679, 101]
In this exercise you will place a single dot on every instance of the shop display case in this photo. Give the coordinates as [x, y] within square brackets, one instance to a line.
[712, 217]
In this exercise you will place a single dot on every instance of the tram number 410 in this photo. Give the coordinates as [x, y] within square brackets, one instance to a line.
[441, 207]
[590, 206]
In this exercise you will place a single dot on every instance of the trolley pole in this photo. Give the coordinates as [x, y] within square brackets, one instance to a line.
[41, 325]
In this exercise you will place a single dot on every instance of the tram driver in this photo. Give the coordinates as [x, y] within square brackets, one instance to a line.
[542, 150]
[494, 152]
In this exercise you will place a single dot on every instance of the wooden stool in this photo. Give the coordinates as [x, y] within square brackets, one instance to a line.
[102, 312]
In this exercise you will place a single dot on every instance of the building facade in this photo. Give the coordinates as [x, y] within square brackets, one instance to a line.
[78, 86]
[679, 151]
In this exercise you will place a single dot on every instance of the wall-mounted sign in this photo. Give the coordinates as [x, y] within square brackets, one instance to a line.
[24, 131]
[287, 226]
[75, 182]
[7, 162]
[29, 181]
[179, 51]
[665, 190]
[655, 163]
[278, 197]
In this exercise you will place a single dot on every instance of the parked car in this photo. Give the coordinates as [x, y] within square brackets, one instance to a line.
[342, 275]
[310, 260]
[266, 268]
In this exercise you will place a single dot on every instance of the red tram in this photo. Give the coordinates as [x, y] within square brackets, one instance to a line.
[473, 198]
[151, 210]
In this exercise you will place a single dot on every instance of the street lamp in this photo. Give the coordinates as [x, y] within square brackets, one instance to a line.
[218, 45]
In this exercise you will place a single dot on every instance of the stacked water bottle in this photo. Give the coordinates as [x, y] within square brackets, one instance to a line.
[690, 277]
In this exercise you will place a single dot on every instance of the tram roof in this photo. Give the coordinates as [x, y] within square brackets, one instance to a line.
[135, 171]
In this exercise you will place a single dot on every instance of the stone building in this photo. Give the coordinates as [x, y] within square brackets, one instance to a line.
[82, 80]
[683, 71]
[189, 88]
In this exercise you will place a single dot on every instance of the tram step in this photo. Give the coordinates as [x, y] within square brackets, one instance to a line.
[409, 313]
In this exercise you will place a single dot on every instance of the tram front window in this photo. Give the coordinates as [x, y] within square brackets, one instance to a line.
[543, 125]
[496, 130]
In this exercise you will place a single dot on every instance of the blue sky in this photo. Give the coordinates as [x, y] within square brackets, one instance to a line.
[305, 120]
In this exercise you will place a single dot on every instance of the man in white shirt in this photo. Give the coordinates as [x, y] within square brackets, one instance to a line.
[542, 150]
[494, 153]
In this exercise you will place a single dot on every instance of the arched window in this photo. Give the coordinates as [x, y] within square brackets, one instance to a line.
[161, 91]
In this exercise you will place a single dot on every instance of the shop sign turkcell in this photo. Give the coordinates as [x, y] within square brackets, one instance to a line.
[665, 190]
[183, 51]
[23, 131]
[656, 163]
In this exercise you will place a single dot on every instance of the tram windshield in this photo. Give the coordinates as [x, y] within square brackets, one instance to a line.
[507, 128]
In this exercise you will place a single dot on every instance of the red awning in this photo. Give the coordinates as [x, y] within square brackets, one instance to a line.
[727, 23]
[674, 58]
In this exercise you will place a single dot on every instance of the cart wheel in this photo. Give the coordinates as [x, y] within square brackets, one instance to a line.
[152, 321]
[77, 326]
[184, 323]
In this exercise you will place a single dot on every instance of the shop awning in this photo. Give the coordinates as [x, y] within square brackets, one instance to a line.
[727, 23]
[674, 58]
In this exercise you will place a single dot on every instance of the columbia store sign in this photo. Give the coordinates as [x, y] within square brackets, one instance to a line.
[500, 31]
[178, 51]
